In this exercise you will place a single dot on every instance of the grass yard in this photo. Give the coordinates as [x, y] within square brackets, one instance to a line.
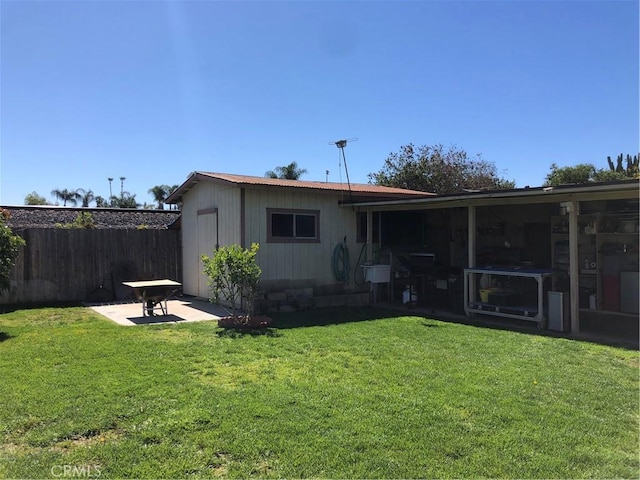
[381, 396]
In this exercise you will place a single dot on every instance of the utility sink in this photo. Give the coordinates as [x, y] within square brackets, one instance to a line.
[377, 273]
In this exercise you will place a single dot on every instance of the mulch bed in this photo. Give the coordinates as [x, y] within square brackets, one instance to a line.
[244, 322]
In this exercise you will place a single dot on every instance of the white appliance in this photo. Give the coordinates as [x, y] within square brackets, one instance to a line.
[558, 311]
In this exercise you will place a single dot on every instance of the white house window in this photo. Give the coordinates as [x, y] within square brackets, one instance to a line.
[293, 226]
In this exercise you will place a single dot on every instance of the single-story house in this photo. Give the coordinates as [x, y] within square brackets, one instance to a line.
[566, 257]
[301, 226]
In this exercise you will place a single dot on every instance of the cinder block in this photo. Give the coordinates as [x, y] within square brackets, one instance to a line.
[276, 296]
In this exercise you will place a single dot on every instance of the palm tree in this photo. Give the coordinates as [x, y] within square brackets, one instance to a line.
[86, 196]
[289, 172]
[71, 196]
[122, 179]
[110, 192]
[160, 193]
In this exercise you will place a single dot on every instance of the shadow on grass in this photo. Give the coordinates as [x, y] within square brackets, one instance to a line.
[4, 336]
[156, 319]
[328, 316]
[430, 325]
[628, 341]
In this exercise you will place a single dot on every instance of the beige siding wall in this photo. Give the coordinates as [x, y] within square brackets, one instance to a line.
[298, 262]
[199, 230]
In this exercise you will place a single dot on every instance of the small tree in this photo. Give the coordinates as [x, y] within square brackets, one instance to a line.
[437, 169]
[577, 174]
[233, 276]
[9, 245]
[34, 198]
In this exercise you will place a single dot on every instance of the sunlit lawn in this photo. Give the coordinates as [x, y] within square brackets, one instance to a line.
[379, 396]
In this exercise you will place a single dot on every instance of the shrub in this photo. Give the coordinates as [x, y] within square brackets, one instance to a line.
[233, 276]
[83, 220]
[9, 247]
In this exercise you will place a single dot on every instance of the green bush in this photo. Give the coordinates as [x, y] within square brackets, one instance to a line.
[9, 247]
[233, 276]
[83, 220]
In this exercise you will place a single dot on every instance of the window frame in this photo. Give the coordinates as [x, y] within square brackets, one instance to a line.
[293, 212]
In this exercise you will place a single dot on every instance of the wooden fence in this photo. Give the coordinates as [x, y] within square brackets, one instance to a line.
[74, 265]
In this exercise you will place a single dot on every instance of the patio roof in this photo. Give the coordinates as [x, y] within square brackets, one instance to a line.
[623, 189]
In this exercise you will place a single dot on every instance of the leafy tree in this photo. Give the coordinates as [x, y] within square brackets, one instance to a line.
[86, 196]
[437, 169]
[587, 172]
[9, 248]
[233, 276]
[71, 196]
[34, 199]
[604, 175]
[577, 174]
[289, 172]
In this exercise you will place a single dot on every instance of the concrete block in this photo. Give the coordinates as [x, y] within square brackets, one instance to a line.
[276, 296]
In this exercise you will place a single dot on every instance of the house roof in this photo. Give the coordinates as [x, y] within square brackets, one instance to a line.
[358, 190]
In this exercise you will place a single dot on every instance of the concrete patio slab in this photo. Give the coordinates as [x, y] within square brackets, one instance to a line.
[178, 311]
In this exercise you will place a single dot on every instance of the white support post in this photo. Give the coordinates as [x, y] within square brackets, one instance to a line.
[574, 267]
[369, 235]
[471, 253]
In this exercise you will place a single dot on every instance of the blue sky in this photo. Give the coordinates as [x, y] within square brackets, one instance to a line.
[153, 90]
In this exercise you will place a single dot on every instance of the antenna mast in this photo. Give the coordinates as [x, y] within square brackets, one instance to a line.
[341, 144]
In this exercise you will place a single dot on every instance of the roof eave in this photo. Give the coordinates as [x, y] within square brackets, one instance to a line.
[544, 194]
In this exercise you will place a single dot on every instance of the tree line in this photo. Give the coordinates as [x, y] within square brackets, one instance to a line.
[85, 197]
[447, 170]
[428, 168]
[441, 170]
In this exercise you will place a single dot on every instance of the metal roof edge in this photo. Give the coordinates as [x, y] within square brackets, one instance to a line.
[233, 179]
[624, 185]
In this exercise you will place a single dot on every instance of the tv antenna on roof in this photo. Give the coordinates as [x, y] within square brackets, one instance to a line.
[341, 144]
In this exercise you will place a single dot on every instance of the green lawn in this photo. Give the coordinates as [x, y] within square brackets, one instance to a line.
[382, 396]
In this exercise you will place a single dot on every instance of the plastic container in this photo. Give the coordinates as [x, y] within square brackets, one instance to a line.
[408, 296]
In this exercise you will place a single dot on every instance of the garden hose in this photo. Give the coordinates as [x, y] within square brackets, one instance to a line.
[358, 268]
[341, 261]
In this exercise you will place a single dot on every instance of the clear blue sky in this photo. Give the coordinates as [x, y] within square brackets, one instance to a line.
[153, 90]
